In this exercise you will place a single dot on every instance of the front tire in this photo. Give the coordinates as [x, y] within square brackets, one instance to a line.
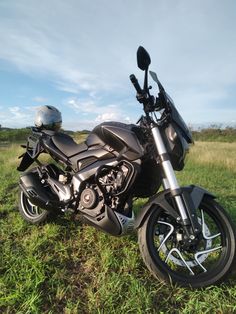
[206, 263]
[30, 212]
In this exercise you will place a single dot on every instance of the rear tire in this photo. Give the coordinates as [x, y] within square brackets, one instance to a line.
[170, 261]
[30, 212]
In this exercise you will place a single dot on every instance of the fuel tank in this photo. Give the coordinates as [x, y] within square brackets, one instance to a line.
[121, 137]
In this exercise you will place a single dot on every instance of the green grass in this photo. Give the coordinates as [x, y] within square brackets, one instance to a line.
[67, 267]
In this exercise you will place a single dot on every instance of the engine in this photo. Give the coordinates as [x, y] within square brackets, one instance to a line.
[110, 188]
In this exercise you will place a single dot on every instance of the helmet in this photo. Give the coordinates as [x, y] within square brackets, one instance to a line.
[48, 117]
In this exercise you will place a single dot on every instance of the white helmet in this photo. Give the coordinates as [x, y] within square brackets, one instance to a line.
[48, 117]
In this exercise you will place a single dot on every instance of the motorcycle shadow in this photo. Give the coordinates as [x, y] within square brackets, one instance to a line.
[65, 219]
[75, 221]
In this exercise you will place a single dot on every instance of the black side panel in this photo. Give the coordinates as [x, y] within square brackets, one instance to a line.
[93, 140]
[149, 179]
[121, 138]
[91, 170]
[53, 150]
[89, 157]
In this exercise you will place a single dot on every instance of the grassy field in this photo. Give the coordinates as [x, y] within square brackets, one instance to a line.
[66, 267]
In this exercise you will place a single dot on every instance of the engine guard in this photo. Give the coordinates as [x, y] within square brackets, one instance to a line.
[191, 194]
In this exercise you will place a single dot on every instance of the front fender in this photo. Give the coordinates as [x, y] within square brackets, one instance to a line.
[192, 194]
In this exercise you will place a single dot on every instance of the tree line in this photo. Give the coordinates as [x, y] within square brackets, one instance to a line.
[210, 134]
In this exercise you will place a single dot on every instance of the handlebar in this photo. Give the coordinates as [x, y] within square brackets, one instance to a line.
[150, 103]
[135, 82]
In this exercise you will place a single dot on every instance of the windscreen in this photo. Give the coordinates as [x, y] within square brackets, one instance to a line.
[174, 112]
[176, 117]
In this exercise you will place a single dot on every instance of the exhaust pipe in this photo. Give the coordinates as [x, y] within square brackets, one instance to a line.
[38, 194]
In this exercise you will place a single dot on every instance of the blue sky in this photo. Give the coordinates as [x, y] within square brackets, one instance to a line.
[77, 55]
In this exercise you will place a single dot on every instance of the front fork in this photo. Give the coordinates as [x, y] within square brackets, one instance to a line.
[171, 182]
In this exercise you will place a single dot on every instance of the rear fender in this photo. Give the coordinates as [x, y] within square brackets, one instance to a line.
[191, 194]
[25, 162]
[33, 150]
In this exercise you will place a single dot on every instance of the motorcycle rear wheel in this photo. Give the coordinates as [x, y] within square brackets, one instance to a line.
[30, 212]
[208, 262]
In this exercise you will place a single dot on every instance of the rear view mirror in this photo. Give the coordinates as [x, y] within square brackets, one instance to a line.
[143, 58]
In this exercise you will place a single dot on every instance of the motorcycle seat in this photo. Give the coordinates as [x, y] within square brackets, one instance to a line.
[67, 145]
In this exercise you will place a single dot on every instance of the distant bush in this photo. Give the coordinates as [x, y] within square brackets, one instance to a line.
[81, 132]
[14, 135]
[215, 135]
[20, 135]
[206, 135]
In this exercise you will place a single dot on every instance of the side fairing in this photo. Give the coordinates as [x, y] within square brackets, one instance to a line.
[121, 138]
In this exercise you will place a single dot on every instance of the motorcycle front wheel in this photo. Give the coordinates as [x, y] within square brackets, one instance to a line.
[208, 261]
[31, 212]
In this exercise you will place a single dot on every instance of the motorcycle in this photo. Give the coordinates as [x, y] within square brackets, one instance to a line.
[185, 236]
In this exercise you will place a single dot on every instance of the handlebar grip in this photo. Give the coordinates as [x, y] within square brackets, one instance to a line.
[135, 83]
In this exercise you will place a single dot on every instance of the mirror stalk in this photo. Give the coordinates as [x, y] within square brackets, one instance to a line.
[145, 84]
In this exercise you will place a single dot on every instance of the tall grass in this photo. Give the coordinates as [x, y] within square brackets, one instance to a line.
[217, 154]
[67, 267]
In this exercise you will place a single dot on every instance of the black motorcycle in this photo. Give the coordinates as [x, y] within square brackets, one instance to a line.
[185, 236]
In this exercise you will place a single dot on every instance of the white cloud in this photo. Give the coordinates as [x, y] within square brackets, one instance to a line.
[17, 116]
[40, 99]
[77, 55]
[17, 113]
[92, 106]
[83, 106]
[101, 113]
[112, 116]
[192, 46]
[51, 50]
